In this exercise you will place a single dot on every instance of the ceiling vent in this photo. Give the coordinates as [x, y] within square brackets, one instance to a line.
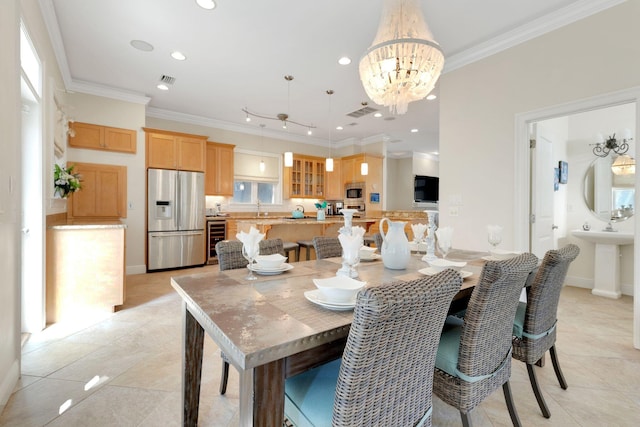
[167, 79]
[352, 124]
[362, 112]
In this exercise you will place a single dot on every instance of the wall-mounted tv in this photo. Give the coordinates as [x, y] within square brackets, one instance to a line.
[425, 189]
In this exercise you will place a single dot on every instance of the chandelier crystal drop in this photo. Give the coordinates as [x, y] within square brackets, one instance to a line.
[403, 63]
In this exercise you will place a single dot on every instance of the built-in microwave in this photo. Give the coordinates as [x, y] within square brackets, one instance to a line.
[354, 192]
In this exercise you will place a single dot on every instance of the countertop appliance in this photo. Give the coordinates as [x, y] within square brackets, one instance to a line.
[175, 219]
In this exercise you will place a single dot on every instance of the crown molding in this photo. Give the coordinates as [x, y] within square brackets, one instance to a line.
[545, 24]
[51, 22]
[107, 92]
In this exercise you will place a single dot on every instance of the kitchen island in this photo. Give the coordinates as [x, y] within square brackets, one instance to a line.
[293, 230]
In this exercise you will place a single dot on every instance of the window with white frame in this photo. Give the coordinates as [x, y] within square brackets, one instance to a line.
[256, 178]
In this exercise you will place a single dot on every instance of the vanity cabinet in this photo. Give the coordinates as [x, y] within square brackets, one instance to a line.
[96, 137]
[174, 150]
[306, 178]
[219, 169]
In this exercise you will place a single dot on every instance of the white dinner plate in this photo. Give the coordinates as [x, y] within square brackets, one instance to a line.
[432, 271]
[317, 297]
[270, 271]
[371, 257]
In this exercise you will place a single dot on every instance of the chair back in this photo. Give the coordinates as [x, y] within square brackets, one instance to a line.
[327, 247]
[230, 256]
[377, 239]
[488, 322]
[386, 374]
[543, 296]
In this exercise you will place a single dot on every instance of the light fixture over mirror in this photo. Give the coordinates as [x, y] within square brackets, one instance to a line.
[619, 146]
[404, 62]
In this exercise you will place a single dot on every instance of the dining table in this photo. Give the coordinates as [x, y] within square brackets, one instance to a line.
[270, 330]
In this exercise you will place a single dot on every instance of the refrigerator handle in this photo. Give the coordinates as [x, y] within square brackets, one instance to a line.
[178, 202]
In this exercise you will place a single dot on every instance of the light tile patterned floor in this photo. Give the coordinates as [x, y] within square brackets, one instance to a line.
[133, 356]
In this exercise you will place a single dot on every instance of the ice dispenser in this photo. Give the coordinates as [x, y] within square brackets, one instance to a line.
[163, 209]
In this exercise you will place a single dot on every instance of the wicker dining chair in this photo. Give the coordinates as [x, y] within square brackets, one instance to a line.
[377, 239]
[474, 358]
[230, 257]
[534, 329]
[327, 247]
[385, 375]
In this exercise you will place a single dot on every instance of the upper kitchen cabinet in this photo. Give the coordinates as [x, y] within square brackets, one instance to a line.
[96, 137]
[334, 187]
[174, 150]
[103, 193]
[373, 180]
[219, 169]
[305, 179]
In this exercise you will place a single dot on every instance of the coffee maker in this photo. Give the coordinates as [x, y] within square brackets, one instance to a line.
[337, 207]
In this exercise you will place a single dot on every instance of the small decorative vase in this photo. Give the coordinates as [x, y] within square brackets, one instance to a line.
[320, 215]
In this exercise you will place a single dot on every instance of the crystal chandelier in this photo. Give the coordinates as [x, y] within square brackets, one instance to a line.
[404, 62]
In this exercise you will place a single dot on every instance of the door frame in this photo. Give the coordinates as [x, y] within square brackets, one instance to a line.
[523, 171]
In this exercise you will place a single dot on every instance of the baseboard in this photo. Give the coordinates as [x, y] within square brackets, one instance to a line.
[9, 382]
[581, 282]
[136, 269]
[627, 289]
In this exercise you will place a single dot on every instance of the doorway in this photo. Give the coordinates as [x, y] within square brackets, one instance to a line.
[524, 174]
[32, 268]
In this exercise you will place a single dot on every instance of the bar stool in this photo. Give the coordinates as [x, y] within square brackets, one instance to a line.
[308, 245]
[292, 246]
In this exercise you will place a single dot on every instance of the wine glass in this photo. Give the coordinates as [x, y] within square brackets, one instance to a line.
[250, 255]
[445, 247]
[352, 261]
[494, 238]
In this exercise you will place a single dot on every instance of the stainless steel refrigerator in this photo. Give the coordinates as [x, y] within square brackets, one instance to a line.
[175, 219]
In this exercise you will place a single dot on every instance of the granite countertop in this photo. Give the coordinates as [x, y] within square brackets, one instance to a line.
[88, 225]
[300, 221]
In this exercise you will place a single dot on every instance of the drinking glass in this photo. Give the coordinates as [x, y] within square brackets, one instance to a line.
[250, 255]
[494, 239]
[352, 260]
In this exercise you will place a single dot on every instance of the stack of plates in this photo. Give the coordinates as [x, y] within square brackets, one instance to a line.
[317, 297]
[429, 271]
[270, 271]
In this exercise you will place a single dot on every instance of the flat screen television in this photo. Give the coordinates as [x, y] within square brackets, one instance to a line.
[425, 189]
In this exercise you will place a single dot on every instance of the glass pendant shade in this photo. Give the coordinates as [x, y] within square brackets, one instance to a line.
[624, 165]
[403, 63]
[328, 164]
[288, 159]
[364, 168]
[262, 166]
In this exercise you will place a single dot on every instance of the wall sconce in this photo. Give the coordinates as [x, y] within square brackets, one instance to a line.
[604, 147]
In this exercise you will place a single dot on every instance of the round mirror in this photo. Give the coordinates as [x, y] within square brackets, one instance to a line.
[609, 196]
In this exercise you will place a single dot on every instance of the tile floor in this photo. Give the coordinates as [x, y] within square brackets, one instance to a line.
[124, 370]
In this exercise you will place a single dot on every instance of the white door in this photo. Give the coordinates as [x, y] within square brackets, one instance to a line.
[542, 181]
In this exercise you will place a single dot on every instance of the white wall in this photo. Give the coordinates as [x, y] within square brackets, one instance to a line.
[10, 202]
[477, 143]
[121, 114]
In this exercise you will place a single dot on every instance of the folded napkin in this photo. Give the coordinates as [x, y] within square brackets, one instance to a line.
[351, 245]
[251, 241]
[444, 236]
[418, 231]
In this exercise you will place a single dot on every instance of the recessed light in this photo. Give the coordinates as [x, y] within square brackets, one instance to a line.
[178, 56]
[378, 115]
[206, 4]
[431, 97]
[414, 130]
[162, 86]
[345, 60]
[141, 45]
[339, 128]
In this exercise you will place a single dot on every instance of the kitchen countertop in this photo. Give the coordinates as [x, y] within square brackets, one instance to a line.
[300, 221]
[87, 225]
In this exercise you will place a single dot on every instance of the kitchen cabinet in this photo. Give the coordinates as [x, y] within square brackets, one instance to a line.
[333, 182]
[96, 137]
[373, 180]
[305, 179]
[219, 169]
[174, 150]
[103, 192]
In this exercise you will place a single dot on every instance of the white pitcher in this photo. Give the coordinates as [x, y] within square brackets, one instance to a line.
[395, 245]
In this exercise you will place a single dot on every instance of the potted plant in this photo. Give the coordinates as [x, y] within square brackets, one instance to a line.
[65, 181]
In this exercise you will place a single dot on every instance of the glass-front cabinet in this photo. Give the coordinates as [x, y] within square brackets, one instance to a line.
[305, 179]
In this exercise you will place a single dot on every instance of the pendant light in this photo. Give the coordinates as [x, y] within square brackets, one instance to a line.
[288, 155]
[328, 163]
[262, 166]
